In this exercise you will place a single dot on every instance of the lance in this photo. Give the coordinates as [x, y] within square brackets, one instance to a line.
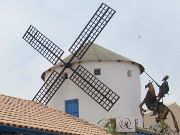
[151, 78]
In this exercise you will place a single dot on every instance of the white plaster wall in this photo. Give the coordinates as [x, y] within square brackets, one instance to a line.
[114, 75]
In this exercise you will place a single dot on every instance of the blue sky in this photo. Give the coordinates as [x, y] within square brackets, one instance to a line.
[156, 22]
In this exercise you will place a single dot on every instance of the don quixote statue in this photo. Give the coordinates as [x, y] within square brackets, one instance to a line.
[153, 103]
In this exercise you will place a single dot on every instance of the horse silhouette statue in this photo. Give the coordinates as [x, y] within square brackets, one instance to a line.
[151, 101]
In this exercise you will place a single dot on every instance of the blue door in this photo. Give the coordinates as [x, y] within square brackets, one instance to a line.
[72, 107]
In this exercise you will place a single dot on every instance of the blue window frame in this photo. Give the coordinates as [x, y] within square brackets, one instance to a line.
[72, 107]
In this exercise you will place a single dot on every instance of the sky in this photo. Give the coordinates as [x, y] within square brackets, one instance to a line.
[146, 31]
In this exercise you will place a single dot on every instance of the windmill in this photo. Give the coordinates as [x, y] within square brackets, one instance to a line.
[91, 85]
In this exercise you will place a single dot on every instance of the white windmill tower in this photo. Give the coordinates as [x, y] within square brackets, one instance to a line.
[72, 83]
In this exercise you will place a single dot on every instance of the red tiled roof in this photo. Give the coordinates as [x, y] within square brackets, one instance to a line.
[29, 114]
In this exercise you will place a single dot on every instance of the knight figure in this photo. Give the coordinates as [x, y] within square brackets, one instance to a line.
[152, 103]
[163, 89]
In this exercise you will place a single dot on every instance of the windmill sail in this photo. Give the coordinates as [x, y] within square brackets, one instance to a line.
[91, 31]
[43, 45]
[49, 88]
[103, 95]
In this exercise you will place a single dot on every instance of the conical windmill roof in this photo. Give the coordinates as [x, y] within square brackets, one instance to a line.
[98, 53]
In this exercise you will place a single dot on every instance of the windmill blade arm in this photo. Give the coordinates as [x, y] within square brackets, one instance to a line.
[43, 45]
[49, 88]
[91, 31]
[103, 95]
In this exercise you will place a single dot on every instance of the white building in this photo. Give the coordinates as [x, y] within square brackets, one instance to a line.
[119, 73]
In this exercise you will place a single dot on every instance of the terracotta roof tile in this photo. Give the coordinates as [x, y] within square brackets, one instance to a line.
[28, 114]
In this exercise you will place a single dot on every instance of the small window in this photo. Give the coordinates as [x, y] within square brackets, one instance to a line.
[66, 75]
[97, 71]
[136, 122]
[129, 73]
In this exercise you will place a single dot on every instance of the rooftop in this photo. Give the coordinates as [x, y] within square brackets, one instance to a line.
[26, 114]
[98, 53]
